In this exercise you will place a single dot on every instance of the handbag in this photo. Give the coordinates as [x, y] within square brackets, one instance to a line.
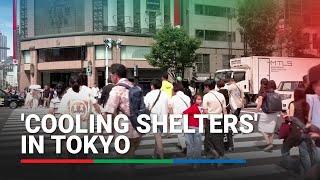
[284, 130]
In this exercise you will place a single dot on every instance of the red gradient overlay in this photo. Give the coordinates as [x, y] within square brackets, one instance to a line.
[56, 161]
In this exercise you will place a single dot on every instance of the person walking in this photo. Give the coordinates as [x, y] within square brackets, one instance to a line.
[267, 122]
[46, 96]
[228, 137]
[314, 103]
[166, 87]
[55, 101]
[35, 98]
[213, 103]
[74, 102]
[298, 109]
[179, 103]
[28, 99]
[157, 102]
[193, 140]
[118, 102]
[236, 96]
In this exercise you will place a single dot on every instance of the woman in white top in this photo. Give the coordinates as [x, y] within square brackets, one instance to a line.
[77, 100]
[55, 101]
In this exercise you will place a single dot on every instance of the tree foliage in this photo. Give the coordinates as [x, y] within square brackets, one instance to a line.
[296, 43]
[258, 20]
[173, 50]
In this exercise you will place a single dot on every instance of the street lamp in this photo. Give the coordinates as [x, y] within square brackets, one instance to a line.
[109, 43]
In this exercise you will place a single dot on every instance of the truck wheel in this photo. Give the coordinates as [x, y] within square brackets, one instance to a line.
[13, 105]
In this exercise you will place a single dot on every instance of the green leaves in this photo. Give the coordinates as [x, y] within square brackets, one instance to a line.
[258, 20]
[173, 49]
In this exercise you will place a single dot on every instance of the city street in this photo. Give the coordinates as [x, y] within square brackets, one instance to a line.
[247, 146]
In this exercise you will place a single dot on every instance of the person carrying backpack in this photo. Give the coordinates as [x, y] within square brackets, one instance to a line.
[270, 104]
[127, 99]
[228, 137]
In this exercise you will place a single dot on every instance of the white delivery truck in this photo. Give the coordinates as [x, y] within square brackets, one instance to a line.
[287, 72]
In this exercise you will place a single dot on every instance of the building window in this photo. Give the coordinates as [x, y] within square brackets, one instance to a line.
[315, 41]
[120, 15]
[207, 10]
[136, 16]
[58, 17]
[98, 14]
[167, 14]
[101, 53]
[200, 34]
[239, 76]
[210, 35]
[153, 5]
[226, 61]
[134, 52]
[152, 22]
[61, 54]
[26, 57]
[203, 63]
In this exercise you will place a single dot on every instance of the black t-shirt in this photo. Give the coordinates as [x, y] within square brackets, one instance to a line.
[46, 93]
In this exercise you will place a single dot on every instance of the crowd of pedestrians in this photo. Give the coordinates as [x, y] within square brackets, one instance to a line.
[300, 124]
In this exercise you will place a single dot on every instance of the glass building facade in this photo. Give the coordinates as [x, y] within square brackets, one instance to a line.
[59, 17]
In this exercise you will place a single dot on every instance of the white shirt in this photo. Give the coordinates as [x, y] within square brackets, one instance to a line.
[193, 90]
[212, 104]
[95, 91]
[74, 103]
[236, 96]
[86, 90]
[180, 102]
[314, 103]
[161, 106]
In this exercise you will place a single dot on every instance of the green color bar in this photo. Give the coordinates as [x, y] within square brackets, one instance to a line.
[133, 161]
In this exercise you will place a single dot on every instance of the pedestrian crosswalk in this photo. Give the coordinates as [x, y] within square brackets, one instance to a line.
[247, 146]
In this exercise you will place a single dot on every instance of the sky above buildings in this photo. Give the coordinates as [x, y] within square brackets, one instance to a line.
[6, 21]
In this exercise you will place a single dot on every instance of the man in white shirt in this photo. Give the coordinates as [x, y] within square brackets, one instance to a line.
[157, 102]
[236, 102]
[178, 104]
[213, 103]
[236, 97]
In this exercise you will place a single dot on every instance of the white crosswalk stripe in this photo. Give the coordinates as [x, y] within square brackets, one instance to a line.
[247, 146]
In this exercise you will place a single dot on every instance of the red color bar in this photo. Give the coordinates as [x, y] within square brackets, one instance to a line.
[56, 161]
[177, 19]
[14, 27]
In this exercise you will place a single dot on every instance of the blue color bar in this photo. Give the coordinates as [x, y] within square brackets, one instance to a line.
[209, 161]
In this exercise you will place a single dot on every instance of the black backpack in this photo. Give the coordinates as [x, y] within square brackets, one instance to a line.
[136, 104]
[272, 103]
